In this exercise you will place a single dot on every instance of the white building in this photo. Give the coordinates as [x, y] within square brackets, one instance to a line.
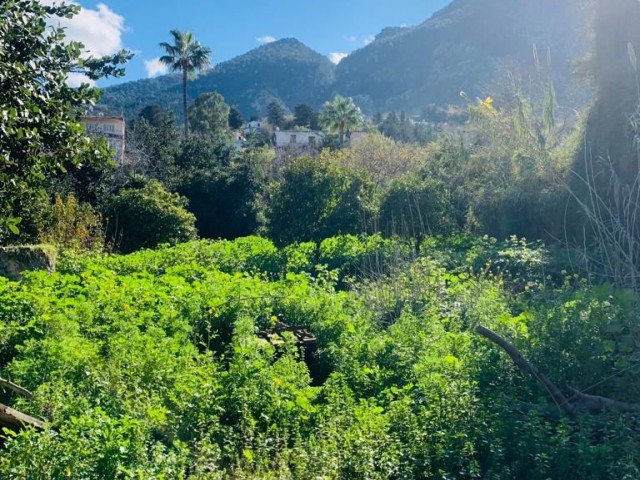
[253, 126]
[355, 137]
[297, 139]
[112, 129]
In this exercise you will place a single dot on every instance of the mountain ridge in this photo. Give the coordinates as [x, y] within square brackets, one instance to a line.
[461, 47]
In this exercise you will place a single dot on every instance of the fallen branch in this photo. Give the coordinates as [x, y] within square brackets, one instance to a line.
[578, 402]
[595, 403]
[15, 420]
[16, 388]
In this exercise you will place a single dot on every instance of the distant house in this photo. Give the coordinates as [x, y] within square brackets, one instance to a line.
[297, 139]
[112, 129]
[355, 137]
[253, 126]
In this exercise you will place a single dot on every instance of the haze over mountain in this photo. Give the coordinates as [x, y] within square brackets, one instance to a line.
[461, 48]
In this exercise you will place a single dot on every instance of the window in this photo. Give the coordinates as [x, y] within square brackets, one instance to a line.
[312, 141]
[293, 140]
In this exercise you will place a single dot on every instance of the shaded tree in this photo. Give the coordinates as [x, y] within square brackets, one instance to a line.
[152, 145]
[276, 114]
[147, 215]
[223, 187]
[187, 56]
[316, 200]
[235, 118]
[305, 116]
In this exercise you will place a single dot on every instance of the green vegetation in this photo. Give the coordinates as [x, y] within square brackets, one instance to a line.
[341, 116]
[145, 216]
[40, 134]
[188, 57]
[172, 364]
[223, 309]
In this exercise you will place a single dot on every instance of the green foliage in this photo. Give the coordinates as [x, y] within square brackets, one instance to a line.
[305, 116]
[341, 116]
[403, 129]
[276, 114]
[74, 226]
[148, 216]
[209, 115]
[317, 199]
[41, 132]
[153, 144]
[224, 187]
[168, 364]
[413, 208]
[235, 118]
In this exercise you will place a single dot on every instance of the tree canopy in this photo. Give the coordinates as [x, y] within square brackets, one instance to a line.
[40, 130]
[209, 115]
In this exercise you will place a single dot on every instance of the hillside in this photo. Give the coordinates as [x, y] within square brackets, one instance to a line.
[467, 46]
[249, 81]
[462, 48]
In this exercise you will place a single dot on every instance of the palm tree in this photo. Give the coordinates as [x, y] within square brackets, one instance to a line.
[186, 56]
[341, 115]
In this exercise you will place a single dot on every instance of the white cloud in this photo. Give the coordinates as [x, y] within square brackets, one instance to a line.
[266, 39]
[337, 57]
[155, 67]
[368, 39]
[353, 38]
[76, 79]
[100, 31]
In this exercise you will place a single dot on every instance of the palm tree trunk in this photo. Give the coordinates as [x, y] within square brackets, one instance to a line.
[184, 103]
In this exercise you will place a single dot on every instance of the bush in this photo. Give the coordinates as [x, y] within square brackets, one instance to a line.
[148, 216]
[316, 200]
[74, 226]
[413, 207]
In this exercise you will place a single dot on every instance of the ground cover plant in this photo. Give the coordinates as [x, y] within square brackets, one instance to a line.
[174, 363]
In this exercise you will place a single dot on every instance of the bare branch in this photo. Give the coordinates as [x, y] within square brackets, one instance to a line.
[16, 388]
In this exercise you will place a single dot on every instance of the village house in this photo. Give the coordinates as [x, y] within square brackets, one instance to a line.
[297, 139]
[112, 129]
[254, 126]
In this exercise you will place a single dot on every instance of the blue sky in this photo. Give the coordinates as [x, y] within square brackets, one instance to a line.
[232, 27]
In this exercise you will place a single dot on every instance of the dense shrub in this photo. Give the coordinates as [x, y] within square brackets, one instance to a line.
[315, 200]
[160, 364]
[416, 208]
[148, 216]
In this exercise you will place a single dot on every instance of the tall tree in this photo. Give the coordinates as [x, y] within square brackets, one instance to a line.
[210, 115]
[187, 56]
[40, 132]
[305, 116]
[341, 116]
[276, 114]
[235, 118]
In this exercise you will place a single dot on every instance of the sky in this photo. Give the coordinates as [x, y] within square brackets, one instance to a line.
[233, 27]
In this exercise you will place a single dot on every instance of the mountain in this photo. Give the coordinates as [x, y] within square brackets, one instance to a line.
[286, 70]
[467, 46]
[463, 48]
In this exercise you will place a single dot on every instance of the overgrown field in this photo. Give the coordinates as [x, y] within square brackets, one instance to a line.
[175, 364]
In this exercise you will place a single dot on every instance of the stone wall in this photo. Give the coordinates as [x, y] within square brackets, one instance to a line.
[15, 260]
